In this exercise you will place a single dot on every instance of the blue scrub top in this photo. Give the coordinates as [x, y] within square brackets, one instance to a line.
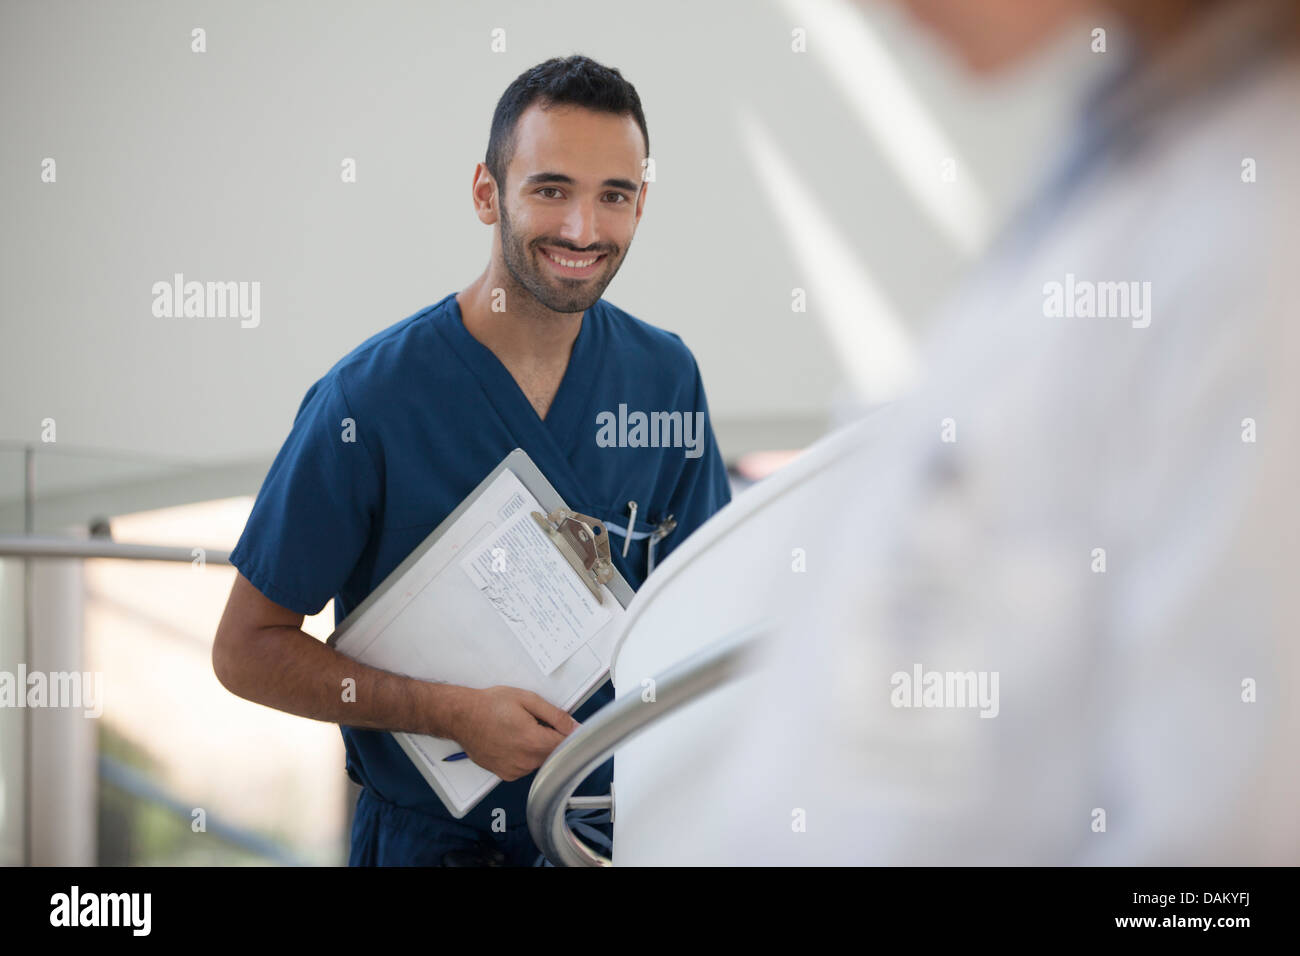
[430, 411]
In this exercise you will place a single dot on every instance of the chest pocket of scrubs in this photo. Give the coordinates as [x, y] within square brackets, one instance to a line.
[641, 541]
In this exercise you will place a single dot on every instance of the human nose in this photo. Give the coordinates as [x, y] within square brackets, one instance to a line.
[579, 225]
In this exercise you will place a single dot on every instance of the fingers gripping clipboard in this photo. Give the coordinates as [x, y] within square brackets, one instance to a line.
[511, 588]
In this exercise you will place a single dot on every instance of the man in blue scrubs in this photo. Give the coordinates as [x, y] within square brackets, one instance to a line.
[390, 440]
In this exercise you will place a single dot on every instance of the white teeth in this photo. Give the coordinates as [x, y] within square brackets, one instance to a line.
[571, 263]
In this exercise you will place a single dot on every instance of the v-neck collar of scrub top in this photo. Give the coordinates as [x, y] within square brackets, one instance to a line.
[567, 412]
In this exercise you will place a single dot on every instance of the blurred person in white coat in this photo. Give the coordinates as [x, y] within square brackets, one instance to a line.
[1058, 609]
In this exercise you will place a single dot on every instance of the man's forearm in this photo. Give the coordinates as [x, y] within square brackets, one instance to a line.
[288, 669]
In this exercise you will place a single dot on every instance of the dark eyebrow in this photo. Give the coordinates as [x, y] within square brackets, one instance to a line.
[537, 178]
[548, 178]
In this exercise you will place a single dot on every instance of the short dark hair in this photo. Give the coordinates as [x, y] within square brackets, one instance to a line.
[570, 81]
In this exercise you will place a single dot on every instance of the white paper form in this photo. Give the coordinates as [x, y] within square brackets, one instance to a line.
[536, 591]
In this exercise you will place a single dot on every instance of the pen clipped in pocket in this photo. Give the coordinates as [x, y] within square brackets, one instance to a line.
[635, 535]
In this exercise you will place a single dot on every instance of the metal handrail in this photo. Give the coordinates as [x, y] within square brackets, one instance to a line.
[551, 795]
[37, 546]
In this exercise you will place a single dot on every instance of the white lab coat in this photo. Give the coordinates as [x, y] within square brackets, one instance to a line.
[1125, 730]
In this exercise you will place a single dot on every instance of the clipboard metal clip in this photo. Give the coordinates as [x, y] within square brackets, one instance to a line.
[584, 543]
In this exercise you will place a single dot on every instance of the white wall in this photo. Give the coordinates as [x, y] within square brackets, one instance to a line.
[225, 166]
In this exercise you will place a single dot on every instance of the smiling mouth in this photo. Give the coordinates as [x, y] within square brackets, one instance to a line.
[570, 264]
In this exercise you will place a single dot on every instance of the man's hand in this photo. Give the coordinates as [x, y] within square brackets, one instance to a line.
[509, 731]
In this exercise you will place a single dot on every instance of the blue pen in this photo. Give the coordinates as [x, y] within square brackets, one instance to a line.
[462, 755]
